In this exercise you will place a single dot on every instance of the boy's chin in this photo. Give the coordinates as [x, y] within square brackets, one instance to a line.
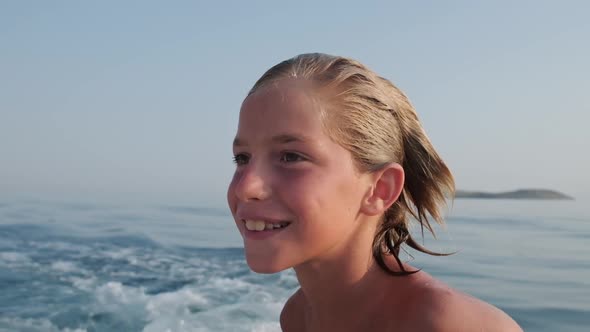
[264, 266]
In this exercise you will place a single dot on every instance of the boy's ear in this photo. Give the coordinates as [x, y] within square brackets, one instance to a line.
[387, 185]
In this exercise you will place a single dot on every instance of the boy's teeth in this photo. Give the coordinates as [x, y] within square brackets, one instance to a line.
[259, 225]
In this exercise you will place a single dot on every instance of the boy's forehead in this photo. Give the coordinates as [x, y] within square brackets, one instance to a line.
[278, 111]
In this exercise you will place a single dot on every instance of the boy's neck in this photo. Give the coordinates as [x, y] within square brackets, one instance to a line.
[347, 286]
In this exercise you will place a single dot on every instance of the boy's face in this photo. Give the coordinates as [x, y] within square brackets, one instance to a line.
[292, 180]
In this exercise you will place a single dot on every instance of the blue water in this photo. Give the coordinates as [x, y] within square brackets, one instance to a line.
[69, 266]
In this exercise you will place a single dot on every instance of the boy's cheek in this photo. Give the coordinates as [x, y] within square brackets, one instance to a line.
[231, 198]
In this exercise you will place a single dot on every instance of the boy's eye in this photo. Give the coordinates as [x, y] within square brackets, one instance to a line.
[289, 157]
[241, 159]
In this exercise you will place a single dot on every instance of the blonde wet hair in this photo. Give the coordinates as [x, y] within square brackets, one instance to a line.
[376, 122]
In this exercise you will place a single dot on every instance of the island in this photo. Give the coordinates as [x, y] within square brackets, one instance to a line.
[540, 194]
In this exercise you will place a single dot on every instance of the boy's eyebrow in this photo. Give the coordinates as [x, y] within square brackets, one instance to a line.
[288, 138]
[238, 142]
[282, 138]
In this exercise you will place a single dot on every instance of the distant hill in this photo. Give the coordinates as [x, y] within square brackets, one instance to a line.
[544, 194]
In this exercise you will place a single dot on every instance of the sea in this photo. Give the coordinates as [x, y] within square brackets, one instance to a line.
[81, 266]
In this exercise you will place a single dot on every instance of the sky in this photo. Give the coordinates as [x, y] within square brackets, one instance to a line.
[139, 100]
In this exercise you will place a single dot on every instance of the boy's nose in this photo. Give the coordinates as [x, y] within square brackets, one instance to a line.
[251, 184]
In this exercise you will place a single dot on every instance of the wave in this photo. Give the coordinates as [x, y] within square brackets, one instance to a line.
[57, 279]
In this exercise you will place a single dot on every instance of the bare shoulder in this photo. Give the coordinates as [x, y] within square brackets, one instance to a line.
[437, 307]
[292, 315]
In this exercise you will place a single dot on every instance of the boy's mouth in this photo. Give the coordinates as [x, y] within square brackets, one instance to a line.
[261, 225]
